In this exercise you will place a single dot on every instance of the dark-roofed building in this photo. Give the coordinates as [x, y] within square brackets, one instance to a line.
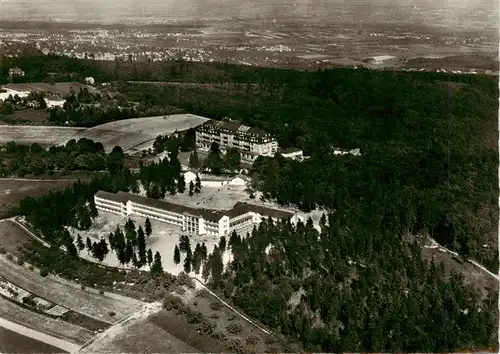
[251, 142]
[241, 218]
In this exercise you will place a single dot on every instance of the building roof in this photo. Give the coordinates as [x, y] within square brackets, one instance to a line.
[212, 215]
[239, 208]
[242, 176]
[111, 196]
[291, 150]
[235, 127]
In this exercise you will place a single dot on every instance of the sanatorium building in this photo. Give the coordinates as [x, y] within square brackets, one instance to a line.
[241, 218]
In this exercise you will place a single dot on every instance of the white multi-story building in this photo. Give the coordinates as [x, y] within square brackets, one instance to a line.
[241, 218]
[251, 142]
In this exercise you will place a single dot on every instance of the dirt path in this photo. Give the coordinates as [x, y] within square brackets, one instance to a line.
[39, 338]
[483, 268]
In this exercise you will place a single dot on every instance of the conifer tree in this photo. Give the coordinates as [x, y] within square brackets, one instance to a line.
[147, 227]
[136, 262]
[177, 255]
[111, 241]
[181, 184]
[104, 247]
[222, 244]
[70, 246]
[187, 261]
[129, 250]
[157, 267]
[197, 185]
[89, 245]
[80, 243]
[191, 188]
[194, 161]
[121, 254]
[150, 257]
[205, 273]
[197, 259]
[141, 245]
[204, 252]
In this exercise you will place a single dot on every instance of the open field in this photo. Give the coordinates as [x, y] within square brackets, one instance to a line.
[55, 289]
[137, 334]
[12, 191]
[43, 135]
[472, 274]
[38, 322]
[129, 133]
[12, 238]
[27, 116]
[12, 342]
[59, 88]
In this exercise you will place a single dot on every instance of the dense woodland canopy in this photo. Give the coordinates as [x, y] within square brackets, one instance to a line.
[363, 284]
[352, 289]
[81, 155]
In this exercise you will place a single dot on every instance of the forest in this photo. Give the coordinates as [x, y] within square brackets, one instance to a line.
[400, 123]
[360, 284]
[81, 155]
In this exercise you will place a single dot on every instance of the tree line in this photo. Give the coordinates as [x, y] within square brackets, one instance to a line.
[82, 154]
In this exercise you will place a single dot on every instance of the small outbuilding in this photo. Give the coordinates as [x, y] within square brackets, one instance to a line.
[293, 153]
[89, 80]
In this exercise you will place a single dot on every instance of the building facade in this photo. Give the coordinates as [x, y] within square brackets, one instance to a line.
[213, 223]
[251, 142]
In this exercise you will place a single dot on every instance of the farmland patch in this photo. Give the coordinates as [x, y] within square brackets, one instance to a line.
[13, 191]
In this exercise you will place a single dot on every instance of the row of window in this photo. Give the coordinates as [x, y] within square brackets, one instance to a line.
[156, 210]
[108, 206]
[106, 201]
[241, 221]
[108, 209]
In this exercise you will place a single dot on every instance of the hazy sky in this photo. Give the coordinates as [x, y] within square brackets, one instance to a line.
[156, 10]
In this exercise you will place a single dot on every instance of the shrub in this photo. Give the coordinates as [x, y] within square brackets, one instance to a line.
[83, 287]
[235, 345]
[172, 302]
[216, 305]
[31, 268]
[206, 327]
[219, 336]
[112, 313]
[3, 250]
[231, 317]
[101, 292]
[203, 293]
[185, 280]
[252, 339]
[195, 303]
[193, 316]
[234, 328]
[214, 316]
[44, 272]
[20, 262]
[10, 257]
[269, 340]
